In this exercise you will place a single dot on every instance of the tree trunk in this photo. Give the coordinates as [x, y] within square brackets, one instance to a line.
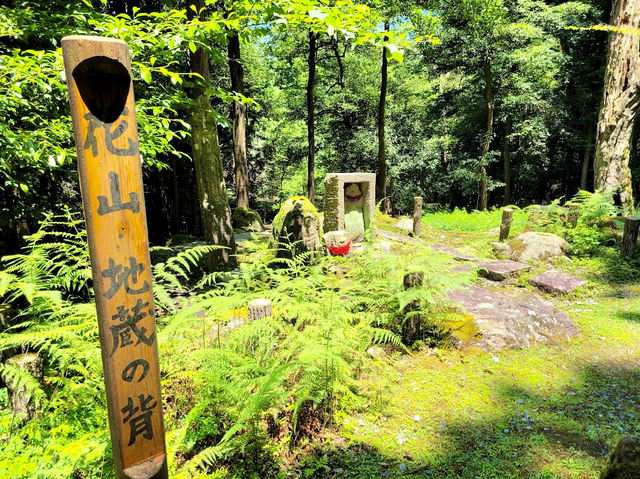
[241, 171]
[619, 104]
[585, 159]
[381, 180]
[487, 141]
[445, 158]
[507, 162]
[212, 193]
[311, 85]
[630, 237]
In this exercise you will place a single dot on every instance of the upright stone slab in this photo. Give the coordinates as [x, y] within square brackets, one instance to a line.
[349, 196]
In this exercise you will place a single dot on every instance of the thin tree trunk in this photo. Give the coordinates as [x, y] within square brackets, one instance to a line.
[585, 159]
[241, 171]
[175, 210]
[311, 85]
[212, 194]
[507, 162]
[619, 104]
[487, 141]
[381, 180]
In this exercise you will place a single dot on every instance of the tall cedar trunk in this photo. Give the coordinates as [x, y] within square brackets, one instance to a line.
[175, 210]
[585, 159]
[381, 180]
[507, 162]
[212, 193]
[619, 104]
[487, 141]
[311, 85]
[241, 171]
[445, 157]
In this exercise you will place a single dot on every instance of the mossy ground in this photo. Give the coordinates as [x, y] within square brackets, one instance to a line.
[549, 411]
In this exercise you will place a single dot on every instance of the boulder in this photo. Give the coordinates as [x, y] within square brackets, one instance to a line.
[512, 319]
[501, 250]
[501, 269]
[556, 282]
[337, 238]
[455, 254]
[246, 219]
[405, 224]
[296, 228]
[624, 461]
[534, 246]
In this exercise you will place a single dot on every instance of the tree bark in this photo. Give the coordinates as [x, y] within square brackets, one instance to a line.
[487, 141]
[586, 158]
[212, 193]
[630, 237]
[381, 180]
[619, 104]
[241, 171]
[507, 162]
[311, 85]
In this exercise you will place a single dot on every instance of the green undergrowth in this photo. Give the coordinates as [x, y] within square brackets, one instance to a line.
[303, 393]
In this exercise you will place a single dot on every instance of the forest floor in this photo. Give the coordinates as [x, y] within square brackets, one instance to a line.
[552, 410]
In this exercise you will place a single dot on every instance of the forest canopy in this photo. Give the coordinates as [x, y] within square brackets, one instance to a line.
[505, 94]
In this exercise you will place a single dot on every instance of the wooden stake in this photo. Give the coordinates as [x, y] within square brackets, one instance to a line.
[630, 237]
[573, 215]
[259, 308]
[104, 121]
[505, 226]
[417, 215]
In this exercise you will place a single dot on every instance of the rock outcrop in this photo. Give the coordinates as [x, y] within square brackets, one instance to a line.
[534, 246]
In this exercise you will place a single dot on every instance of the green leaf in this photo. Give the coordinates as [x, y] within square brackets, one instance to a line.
[192, 47]
[145, 73]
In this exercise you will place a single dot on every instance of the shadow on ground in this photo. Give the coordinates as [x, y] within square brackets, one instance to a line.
[544, 434]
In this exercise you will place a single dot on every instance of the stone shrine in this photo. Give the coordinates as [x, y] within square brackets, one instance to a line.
[349, 202]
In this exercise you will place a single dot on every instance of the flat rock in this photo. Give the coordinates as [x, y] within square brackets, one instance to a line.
[457, 255]
[557, 282]
[405, 224]
[512, 319]
[501, 269]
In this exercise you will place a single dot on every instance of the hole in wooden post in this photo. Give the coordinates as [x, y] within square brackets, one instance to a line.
[104, 85]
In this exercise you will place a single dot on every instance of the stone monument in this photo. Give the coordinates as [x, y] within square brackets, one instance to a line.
[349, 202]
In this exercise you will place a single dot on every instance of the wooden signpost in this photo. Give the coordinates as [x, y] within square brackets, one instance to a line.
[102, 108]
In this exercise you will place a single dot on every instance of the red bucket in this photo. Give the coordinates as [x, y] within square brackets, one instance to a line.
[340, 250]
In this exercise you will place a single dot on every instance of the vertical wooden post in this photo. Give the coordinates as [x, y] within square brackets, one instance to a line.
[573, 215]
[417, 214]
[630, 237]
[98, 74]
[412, 327]
[505, 226]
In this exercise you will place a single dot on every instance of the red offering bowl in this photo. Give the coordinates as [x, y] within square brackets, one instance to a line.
[340, 250]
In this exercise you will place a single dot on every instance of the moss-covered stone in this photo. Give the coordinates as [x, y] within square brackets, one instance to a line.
[297, 228]
[246, 219]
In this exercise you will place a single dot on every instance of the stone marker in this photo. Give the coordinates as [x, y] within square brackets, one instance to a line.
[501, 269]
[505, 226]
[412, 327]
[512, 319]
[417, 215]
[22, 406]
[349, 202]
[534, 246]
[259, 308]
[630, 237]
[624, 461]
[557, 282]
[296, 228]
